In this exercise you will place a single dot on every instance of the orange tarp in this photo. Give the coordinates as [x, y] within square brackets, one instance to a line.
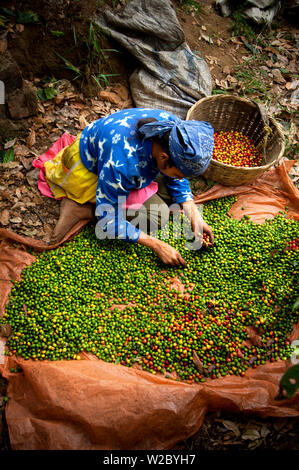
[90, 404]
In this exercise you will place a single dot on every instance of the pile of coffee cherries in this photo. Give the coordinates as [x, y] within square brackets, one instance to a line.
[235, 148]
[117, 301]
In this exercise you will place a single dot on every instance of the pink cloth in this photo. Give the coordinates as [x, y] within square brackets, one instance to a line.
[138, 196]
[65, 140]
[135, 199]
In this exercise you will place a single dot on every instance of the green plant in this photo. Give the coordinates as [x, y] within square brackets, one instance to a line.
[57, 34]
[46, 93]
[95, 60]
[5, 14]
[97, 56]
[6, 11]
[27, 17]
[7, 156]
[3, 21]
[190, 5]
[252, 81]
[103, 78]
[71, 66]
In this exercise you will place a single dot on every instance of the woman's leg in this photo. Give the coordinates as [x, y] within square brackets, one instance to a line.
[71, 212]
[154, 213]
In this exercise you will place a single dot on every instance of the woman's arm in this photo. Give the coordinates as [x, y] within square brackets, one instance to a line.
[165, 252]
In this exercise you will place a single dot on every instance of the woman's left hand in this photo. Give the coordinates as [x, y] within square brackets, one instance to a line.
[207, 229]
[198, 225]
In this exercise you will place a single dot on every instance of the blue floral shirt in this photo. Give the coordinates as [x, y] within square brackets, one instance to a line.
[110, 148]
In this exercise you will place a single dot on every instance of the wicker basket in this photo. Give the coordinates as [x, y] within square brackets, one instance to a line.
[228, 112]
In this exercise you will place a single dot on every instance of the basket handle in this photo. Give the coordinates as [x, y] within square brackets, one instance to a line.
[267, 129]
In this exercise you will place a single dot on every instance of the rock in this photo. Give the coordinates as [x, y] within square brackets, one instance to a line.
[10, 73]
[10, 129]
[23, 102]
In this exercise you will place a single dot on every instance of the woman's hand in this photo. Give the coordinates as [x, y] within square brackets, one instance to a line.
[207, 229]
[198, 225]
[169, 255]
[166, 253]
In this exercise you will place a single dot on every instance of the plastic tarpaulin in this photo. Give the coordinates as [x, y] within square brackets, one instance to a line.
[90, 404]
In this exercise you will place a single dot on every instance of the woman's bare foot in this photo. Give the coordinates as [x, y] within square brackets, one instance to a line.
[71, 212]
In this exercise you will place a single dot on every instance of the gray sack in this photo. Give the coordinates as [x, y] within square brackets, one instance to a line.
[170, 76]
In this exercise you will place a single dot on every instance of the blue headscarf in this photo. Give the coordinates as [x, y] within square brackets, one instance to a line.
[190, 143]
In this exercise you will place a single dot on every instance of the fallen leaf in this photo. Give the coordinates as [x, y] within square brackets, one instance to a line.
[19, 28]
[21, 150]
[18, 193]
[29, 233]
[212, 59]
[292, 67]
[292, 85]
[3, 45]
[9, 144]
[32, 177]
[265, 431]
[231, 79]
[221, 83]
[255, 444]
[109, 96]
[16, 220]
[122, 91]
[279, 425]
[32, 223]
[4, 217]
[251, 435]
[197, 362]
[236, 41]
[5, 330]
[27, 162]
[82, 122]
[206, 38]
[19, 175]
[31, 139]
[231, 426]
[277, 76]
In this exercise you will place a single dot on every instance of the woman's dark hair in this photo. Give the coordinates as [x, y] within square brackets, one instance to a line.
[163, 141]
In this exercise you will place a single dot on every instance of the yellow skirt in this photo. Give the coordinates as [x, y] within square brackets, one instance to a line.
[68, 177]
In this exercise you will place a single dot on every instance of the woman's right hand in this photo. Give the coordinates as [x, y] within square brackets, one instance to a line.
[168, 254]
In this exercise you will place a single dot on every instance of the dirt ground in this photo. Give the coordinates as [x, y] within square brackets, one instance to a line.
[77, 102]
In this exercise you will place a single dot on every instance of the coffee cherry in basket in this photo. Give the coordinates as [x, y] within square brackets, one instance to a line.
[235, 148]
